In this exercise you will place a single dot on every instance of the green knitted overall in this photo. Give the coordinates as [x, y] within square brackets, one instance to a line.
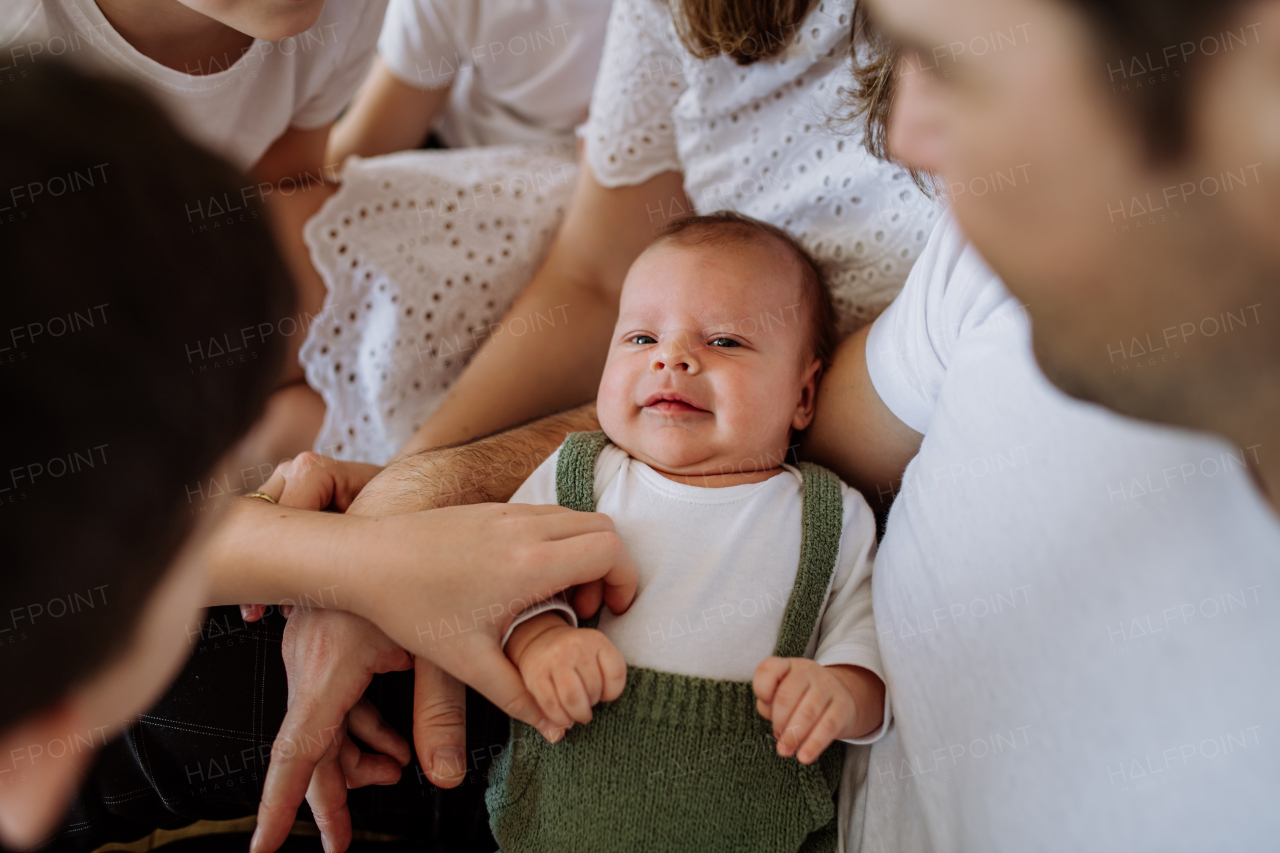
[676, 763]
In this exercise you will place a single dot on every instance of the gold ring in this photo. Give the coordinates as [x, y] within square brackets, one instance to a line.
[262, 496]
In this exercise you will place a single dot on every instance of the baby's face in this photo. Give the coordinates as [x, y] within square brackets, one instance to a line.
[705, 372]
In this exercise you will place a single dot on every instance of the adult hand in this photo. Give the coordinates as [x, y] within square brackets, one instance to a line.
[451, 580]
[312, 481]
[330, 657]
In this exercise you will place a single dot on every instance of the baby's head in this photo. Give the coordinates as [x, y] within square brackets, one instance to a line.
[723, 328]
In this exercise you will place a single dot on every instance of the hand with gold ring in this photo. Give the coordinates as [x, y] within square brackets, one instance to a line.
[314, 482]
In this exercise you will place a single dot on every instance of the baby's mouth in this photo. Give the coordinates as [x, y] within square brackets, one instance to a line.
[672, 404]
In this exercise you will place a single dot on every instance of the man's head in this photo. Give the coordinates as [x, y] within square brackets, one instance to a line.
[109, 424]
[723, 327]
[1115, 162]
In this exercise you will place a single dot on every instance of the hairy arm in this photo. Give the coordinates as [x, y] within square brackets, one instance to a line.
[489, 469]
[387, 115]
[513, 379]
[854, 433]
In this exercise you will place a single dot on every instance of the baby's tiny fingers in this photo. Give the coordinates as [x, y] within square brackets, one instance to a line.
[769, 674]
[592, 680]
[820, 736]
[573, 694]
[614, 668]
[543, 689]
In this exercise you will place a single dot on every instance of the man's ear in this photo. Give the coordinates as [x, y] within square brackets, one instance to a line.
[808, 402]
[40, 770]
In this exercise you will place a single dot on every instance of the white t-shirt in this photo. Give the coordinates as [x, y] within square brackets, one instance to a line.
[1077, 611]
[764, 140]
[521, 70]
[236, 105]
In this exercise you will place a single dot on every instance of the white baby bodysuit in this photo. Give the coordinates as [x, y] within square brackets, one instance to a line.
[716, 569]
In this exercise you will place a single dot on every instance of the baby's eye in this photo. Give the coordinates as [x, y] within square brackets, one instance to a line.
[643, 339]
[725, 342]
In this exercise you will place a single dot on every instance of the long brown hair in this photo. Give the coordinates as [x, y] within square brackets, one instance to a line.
[746, 30]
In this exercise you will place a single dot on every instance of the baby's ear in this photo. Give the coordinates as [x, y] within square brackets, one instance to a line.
[808, 401]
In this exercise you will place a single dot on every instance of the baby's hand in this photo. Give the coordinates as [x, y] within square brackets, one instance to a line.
[568, 670]
[810, 705]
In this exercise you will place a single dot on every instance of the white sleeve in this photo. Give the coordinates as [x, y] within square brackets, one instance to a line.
[330, 95]
[629, 135]
[950, 290]
[421, 42]
[847, 632]
[540, 490]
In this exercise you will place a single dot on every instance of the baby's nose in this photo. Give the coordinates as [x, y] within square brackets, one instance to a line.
[677, 351]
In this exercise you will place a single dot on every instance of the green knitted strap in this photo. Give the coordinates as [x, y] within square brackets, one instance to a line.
[821, 522]
[576, 470]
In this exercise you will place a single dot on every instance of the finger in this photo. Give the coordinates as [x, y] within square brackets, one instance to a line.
[588, 598]
[491, 674]
[806, 716]
[350, 479]
[821, 735]
[591, 675]
[360, 768]
[591, 556]
[310, 727]
[565, 524]
[768, 676]
[573, 694]
[327, 797]
[788, 726]
[274, 485]
[252, 612]
[365, 722]
[439, 724]
[544, 688]
[308, 482]
[764, 709]
[614, 668]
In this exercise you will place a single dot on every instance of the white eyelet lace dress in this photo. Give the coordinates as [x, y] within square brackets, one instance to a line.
[763, 139]
[422, 254]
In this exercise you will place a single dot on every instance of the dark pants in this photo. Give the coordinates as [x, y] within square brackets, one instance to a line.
[202, 753]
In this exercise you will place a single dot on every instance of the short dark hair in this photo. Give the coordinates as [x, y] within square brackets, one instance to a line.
[107, 421]
[1125, 30]
[727, 227]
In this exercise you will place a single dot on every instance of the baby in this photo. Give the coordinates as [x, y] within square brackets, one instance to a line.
[754, 602]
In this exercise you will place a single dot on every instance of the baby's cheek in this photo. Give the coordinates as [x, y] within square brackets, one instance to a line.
[614, 400]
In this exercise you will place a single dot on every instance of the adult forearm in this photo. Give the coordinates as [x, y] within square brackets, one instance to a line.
[565, 315]
[489, 469]
[553, 366]
[266, 554]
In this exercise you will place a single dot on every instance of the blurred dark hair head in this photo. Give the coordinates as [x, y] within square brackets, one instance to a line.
[728, 228]
[105, 420]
